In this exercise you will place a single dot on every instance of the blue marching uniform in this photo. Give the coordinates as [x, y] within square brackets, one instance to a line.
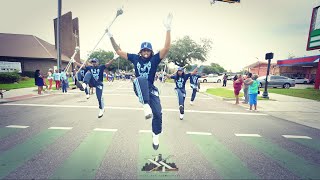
[145, 71]
[181, 88]
[94, 76]
[194, 85]
[81, 75]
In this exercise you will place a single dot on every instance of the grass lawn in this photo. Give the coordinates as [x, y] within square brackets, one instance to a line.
[28, 83]
[308, 93]
[227, 93]
[21, 84]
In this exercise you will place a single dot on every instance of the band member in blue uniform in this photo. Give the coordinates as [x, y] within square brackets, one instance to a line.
[180, 79]
[94, 76]
[145, 65]
[194, 83]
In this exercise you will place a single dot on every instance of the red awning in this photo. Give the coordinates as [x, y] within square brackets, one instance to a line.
[302, 61]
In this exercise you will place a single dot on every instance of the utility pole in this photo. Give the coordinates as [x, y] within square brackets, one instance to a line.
[58, 37]
[269, 56]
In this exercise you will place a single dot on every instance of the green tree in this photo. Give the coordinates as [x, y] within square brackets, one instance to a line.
[105, 56]
[185, 51]
[214, 68]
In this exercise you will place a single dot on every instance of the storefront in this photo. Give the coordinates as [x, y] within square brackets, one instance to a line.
[306, 67]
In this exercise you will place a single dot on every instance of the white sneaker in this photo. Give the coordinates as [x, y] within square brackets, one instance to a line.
[155, 141]
[101, 111]
[147, 111]
[84, 85]
[191, 102]
[88, 96]
[181, 116]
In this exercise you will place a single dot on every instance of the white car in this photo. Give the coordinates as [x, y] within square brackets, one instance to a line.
[301, 80]
[215, 78]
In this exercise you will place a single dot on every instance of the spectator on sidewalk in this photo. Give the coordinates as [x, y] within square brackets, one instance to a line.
[56, 78]
[50, 78]
[253, 92]
[225, 79]
[237, 86]
[64, 81]
[246, 87]
[38, 81]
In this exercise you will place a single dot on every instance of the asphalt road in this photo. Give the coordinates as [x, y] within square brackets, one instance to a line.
[60, 137]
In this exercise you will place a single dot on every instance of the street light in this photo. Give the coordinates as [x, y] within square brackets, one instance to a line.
[269, 56]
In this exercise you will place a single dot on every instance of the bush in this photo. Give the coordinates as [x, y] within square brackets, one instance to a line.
[24, 78]
[9, 77]
[28, 73]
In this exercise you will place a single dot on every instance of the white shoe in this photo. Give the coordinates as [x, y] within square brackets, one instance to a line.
[181, 116]
[147, 111]
[101, 111]
[84, 85]
[191, 102]
[155, 141]
[88, 96]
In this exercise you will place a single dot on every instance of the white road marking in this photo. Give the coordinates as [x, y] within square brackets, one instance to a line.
[65, 128]
[199, 133]
[17, 126]
[145, 131]
[248, 135]
[296, 137]
[132, 94]
[132, 108]
[108, 130]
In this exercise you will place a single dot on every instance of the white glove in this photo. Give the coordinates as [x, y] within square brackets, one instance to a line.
[167, 22]
[115, 56]
[109, 33]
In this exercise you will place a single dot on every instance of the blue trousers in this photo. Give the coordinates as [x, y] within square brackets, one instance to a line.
[149, 94]
[194, 93]
[88, 78]
[181, 95]
[64, 86]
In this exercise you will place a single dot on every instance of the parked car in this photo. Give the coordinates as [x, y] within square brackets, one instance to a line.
[277, 81]
[215, 78]
[301, 80]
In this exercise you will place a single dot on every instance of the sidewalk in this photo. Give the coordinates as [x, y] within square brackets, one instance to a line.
[294, 109]
[21, 94]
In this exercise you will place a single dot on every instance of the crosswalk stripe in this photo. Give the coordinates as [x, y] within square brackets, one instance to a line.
[65, 128]
[85, 160]
[19, 154]
[17, 126]
[145, 131]
[199, 133]
[247, 135]
[296, 164]
[296, 137]
[107, 130]
[227, 164]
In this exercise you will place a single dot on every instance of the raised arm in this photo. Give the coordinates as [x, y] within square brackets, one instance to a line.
[116, 47]
[195, 71]
[164, 51]
[111, 61]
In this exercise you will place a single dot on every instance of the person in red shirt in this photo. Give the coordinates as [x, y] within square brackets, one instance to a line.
[237, 86]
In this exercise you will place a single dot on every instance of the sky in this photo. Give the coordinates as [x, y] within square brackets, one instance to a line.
[242, 33]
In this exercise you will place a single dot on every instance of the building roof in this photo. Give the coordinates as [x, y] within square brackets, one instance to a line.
[301, 61]
[27, 46]
[257, 63]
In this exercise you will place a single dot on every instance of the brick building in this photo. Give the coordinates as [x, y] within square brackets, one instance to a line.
[260, 68]
[307, 67]
[69, 32]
